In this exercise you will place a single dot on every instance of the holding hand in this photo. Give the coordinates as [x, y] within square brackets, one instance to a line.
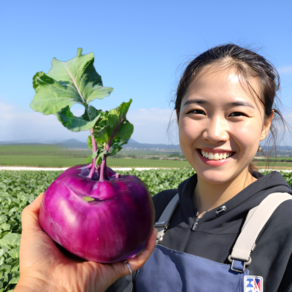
[43, 267]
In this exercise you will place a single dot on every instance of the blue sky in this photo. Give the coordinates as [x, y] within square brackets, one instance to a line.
[140, 48]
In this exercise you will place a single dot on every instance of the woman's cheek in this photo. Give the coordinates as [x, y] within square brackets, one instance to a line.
[247, 138]
[188, 134]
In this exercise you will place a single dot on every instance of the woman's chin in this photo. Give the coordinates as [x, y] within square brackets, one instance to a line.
[215, 176]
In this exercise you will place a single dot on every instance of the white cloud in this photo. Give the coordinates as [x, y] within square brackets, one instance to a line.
[285, 70]
[18, 124]
[150, 125]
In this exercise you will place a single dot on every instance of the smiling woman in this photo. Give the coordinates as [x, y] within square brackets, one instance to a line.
[225, 106]
[227, 120]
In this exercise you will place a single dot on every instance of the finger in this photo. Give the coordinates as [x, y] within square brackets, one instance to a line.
[36, 204]
[30, 214]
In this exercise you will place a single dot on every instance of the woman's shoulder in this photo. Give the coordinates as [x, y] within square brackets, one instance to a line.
[161, 200]
[283, 213]
[279, 224]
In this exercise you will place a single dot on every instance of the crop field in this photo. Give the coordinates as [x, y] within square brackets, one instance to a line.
[55, 156]
[20, 188]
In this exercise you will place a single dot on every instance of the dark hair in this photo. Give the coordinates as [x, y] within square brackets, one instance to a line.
[247, 64]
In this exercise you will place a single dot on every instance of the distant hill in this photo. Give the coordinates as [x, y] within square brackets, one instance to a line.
[72, 143]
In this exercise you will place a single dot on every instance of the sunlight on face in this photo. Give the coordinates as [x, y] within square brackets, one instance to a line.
[219, 112]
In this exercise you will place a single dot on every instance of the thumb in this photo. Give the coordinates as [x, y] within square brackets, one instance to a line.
[30, 214]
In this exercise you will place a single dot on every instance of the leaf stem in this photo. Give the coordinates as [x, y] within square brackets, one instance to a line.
[103, 175]
[94, 149]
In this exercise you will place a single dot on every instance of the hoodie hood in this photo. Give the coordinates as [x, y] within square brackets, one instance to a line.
[245, 200]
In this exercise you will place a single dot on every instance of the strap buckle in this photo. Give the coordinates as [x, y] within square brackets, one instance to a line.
[160, 224]
[245, 263]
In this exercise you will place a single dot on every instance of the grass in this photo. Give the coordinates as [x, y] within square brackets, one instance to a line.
[55, 156]
[29, 148]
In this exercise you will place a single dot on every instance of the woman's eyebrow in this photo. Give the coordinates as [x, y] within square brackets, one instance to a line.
[229, 104]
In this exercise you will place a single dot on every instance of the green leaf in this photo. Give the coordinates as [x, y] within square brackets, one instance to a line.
[76, 124]
[67, 83]
[102, 134]
[114, 124]
[5, 226]
[10, 239]
[89, 142]
[14, 280]
[3, 219]
[125, 131]
[14, 253]
[51, 96]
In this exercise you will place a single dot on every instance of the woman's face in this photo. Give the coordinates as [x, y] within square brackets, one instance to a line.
[219, 115]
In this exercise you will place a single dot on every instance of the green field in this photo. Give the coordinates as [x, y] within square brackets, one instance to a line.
[55, 156]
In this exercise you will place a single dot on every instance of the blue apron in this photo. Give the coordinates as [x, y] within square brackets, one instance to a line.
[168, 270]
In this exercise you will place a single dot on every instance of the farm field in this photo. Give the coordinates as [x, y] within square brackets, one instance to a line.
[20, 188]
[55, 156]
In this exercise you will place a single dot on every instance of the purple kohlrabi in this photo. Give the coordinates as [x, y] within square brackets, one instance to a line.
[114, 225]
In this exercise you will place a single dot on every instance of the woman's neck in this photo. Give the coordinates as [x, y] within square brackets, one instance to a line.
[208, 196]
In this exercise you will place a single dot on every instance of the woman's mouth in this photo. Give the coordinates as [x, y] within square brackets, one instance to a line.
[215, 159]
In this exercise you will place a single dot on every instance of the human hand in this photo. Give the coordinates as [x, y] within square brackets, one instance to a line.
[43, 267]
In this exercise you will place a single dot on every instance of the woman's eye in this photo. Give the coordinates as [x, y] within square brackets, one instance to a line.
[196, 111]
[237, 114]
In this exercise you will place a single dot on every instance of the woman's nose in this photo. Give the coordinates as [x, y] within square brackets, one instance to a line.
[216, 130]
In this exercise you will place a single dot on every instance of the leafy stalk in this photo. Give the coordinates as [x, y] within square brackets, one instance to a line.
[94, 149]
[112, 131]
[76, 81]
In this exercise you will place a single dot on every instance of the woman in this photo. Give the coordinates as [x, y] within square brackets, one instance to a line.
[225, 107]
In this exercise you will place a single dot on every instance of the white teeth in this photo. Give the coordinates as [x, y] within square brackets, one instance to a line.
[215, 156]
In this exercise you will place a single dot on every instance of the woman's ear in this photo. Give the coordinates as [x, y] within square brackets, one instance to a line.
[266, 126]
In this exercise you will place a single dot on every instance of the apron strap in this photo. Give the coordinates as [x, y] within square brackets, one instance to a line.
[163, 221]
[255, 221]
